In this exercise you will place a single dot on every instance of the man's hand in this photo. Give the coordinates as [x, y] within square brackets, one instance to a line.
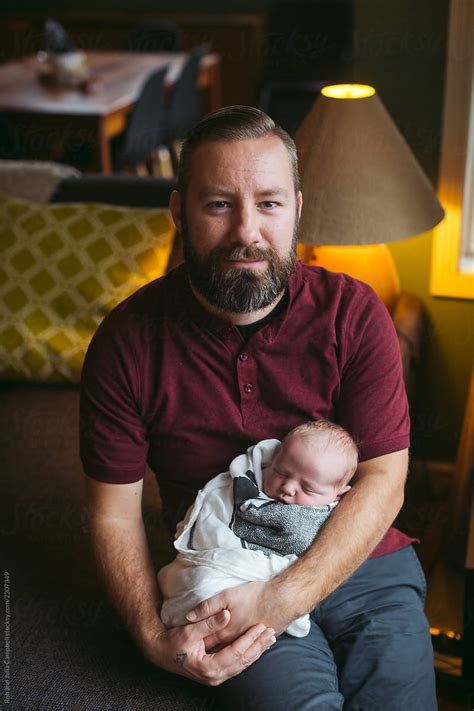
[181, 524]
[181, 650]
[249, 604]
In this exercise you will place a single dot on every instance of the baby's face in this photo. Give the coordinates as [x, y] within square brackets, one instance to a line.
[304, 474]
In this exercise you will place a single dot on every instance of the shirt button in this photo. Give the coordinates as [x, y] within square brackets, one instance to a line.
[243, 356]
[248, 388]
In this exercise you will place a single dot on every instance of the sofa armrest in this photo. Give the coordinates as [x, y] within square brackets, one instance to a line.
[409, 318]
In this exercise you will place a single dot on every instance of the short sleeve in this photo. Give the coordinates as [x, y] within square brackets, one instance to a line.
[372, 403]
[113, 444]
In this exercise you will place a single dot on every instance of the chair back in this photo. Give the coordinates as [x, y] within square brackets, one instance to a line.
[155, 37]
[183, 110]
[146, 122]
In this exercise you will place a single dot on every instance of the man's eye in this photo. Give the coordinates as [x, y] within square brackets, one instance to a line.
[268, 204]
[217, 204]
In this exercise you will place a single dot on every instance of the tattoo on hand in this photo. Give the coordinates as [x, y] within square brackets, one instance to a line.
[180, 658]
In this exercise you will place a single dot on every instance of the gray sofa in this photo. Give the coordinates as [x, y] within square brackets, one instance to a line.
[68, 648]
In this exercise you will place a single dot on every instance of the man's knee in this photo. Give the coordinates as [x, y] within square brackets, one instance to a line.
[380, 636]
[295, 674]
[389, 669]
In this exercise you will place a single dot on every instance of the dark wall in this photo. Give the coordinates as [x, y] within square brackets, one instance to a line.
[229, 6]
[399, 46]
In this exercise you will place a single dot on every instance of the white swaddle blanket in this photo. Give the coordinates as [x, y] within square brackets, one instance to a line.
[211, 557]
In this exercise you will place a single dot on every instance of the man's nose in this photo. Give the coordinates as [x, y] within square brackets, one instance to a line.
[246, 226]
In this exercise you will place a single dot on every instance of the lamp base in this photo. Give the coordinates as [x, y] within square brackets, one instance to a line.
[372, 264]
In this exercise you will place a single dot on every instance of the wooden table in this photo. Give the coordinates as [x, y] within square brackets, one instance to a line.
[103, 113]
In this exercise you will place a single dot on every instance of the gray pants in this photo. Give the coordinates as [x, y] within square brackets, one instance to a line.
[369, 649]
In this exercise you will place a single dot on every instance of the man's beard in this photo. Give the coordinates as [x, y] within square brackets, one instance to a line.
[239, 290]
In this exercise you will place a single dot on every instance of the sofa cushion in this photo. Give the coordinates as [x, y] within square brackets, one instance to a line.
[63, 268]
[33, 180]
[68, 650]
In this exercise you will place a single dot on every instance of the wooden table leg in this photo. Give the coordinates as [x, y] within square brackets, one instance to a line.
[209, 82]
[103, 148]
[215, 87]
[109, 126]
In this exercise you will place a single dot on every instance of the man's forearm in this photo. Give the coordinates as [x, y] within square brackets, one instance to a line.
[348, 537]
[125, 566]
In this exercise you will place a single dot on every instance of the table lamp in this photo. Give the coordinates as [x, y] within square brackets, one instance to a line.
[362, 186]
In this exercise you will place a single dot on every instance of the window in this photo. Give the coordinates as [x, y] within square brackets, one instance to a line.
[452, 267]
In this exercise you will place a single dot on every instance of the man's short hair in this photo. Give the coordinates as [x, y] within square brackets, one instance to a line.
[336, 436]
[232, 123]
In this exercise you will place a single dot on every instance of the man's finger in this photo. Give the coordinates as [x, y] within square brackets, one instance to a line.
[217, 640]
[206, 608]
[210, 625]
[243, 652]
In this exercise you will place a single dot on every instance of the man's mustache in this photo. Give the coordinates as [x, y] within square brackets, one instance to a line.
[237, 253]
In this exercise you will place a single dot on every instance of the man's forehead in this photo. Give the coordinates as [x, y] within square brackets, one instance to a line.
[253, 160]
[215, 188]
[250, 147]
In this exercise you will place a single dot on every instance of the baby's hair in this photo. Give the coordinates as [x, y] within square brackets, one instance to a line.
[336, 436]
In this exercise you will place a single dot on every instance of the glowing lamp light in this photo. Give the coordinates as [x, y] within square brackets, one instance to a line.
[348, 91]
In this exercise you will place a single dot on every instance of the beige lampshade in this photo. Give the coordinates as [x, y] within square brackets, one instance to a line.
[361, 183]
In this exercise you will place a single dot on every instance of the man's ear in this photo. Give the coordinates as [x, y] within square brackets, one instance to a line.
[175, 209]
[299, 202]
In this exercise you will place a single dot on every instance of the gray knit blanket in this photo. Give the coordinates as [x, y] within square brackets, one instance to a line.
[272, 526]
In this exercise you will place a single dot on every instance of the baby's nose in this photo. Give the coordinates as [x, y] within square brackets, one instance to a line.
[288, 488]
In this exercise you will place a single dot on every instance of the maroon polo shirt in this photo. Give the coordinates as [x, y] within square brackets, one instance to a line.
[168, 384]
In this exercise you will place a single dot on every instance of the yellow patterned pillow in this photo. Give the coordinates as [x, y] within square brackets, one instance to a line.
[63, 267]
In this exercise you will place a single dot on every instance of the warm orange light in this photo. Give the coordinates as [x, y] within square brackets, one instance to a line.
[348, 91]
[371, 263]
[435, 632]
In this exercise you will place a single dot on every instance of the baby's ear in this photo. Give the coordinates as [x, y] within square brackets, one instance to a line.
[344, 490]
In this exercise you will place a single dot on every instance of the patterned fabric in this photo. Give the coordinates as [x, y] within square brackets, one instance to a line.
[62, 269]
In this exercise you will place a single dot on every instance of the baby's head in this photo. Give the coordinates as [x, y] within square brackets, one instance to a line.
[312, 466]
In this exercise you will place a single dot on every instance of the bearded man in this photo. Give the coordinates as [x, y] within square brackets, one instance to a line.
[239, 344]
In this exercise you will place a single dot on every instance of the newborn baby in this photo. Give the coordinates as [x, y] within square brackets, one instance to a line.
[311, 468]
[253, 521]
